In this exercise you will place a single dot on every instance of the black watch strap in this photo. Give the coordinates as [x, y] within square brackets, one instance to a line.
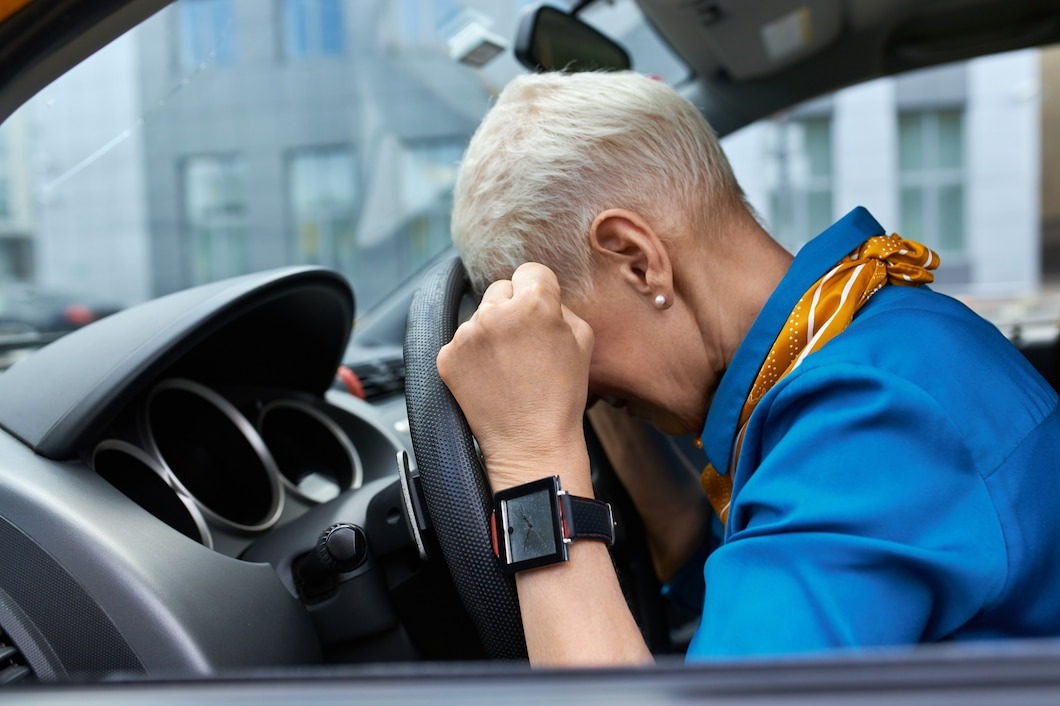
[588, 519]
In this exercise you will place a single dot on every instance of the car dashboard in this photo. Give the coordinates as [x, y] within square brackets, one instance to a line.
[165, 475]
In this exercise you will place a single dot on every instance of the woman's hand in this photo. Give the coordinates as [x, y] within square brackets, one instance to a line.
[519, 369]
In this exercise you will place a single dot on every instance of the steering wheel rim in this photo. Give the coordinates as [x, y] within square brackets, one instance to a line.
[455, 487]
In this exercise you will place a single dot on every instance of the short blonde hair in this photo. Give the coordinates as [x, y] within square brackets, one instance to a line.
[557, 149]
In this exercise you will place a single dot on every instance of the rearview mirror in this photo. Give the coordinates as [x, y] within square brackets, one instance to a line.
[552, 40]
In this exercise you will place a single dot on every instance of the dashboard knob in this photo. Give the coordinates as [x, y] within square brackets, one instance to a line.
[342, 547]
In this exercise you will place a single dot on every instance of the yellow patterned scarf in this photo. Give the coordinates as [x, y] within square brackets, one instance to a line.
[823, 312]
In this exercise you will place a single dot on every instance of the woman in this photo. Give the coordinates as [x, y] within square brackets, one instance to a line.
[883, 461]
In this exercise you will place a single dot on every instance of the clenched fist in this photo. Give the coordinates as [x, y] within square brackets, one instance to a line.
[519, 368]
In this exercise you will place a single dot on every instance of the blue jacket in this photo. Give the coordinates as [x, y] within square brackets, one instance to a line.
[901, 486]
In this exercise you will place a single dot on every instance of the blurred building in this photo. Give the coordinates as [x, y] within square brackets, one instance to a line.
[88, 180]
[316, 132]
[228, 136]
[948, 156]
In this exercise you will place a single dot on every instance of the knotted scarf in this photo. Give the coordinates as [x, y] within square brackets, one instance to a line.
[821, 313]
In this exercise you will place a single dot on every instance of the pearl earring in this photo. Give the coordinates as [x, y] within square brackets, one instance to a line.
[660, 301]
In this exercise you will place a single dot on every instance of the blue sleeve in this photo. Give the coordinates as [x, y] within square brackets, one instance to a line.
[863, 522]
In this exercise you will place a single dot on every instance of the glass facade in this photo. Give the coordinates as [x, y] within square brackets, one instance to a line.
[323, 189]
[931, 177]
[427, 182]
[215, 216]
[313, 29]
[800, 202]
[206, 33]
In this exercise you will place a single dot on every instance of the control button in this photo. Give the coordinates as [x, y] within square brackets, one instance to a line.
[342, 547]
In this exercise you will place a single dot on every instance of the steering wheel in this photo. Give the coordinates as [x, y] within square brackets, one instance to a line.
[454, 481]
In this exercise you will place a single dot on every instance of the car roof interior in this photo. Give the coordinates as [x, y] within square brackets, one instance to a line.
[804, 48]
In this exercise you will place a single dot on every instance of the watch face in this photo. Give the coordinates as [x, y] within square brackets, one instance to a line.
[530, 530]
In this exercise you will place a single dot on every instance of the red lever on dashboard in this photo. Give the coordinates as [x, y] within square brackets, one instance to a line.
[351, 381]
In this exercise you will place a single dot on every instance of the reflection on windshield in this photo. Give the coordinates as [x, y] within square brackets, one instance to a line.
[228, 136]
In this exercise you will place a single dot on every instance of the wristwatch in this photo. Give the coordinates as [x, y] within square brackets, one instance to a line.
[533, 523]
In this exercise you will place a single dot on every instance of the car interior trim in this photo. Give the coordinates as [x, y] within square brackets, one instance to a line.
[193, 467]
[145, 481]
[416, 520]
[257, 320]
[308, 463]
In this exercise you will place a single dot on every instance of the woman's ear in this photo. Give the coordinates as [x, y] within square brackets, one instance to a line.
[626, 246]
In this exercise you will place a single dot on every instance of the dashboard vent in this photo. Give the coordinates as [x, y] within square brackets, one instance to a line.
[13, 666]
[381, 378]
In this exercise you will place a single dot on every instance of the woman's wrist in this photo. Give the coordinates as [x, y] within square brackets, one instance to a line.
[570, 463]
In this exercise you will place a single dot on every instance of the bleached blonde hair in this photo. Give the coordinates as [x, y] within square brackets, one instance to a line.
[557, 149]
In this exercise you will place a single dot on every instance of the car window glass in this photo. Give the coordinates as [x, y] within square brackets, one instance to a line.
[956, 156]
[228, 136]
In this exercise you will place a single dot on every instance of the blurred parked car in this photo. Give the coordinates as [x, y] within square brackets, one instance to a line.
[25, 308]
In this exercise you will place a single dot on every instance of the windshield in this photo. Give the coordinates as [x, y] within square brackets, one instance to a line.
[228, 136]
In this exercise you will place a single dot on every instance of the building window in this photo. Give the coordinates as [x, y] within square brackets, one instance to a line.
[322, 189]
[427, 177]
[404, 221]
[800, 200]
[313, 28]
[206, 29]
[931, 177]
[215, 216]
